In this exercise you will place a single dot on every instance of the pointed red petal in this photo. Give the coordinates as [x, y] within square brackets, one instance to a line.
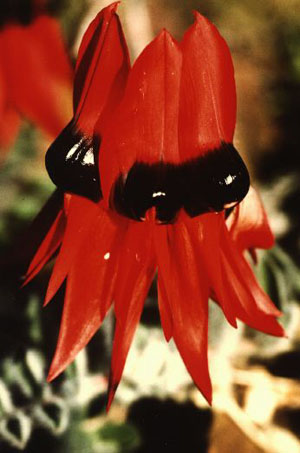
[244, 304]
[148, 115]
[48, 247]
[205, 235]
[101, 70]
[25, 248]
[90, 284]
[135, 274]
[44, 95]
[81, 214]
[188, 297]
[208, 97]
[252, 304]
[248, 224]
[164, 309]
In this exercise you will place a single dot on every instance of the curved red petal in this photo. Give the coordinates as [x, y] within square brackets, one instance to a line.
[164, 309]
[81, 214]
[248, 224]
[148, 115]
[205, 236]
[244, 304]
[208, 95]
[136, 270]
[47, 248]
[101, 70]
[89, 291]
[188, 297]
[36, 247]
[253, 301]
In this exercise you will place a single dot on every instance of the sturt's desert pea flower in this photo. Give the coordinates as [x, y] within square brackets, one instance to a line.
[35, 71]
[153, 185]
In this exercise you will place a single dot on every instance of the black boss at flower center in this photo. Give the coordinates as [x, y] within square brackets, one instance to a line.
[72, 163]
[210, 183]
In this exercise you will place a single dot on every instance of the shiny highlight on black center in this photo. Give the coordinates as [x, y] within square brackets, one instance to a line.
[210, 183]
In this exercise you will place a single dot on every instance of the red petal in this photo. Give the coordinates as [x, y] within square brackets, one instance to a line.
[248, 224]
[44, 95]
[205, 235]
[244, 304]
[148, 115]
[25, 249]
[80, 216]
[164, 309]
[135, 274]
[90, 283]
[252, 304]
[101, 70]
[48, 247]
[188, 297]
[208, 97]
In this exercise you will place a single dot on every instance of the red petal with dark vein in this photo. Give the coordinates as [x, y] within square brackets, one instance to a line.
[44, 95]
[135, 273]
[208, 96]
[251, 296]
[188, 297]
[90, 284]
[248, 224]
[81, 214]
[244, 304]
[147, 118]
[205, 236]
[164, 309]
[101, 71]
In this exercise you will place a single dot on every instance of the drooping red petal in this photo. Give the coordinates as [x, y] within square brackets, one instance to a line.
[81, 214]
[164, 309]
[135, 273]
[187, 291]
[44, 95]
[38, 244]
[205, 236]
[48, 247]
[248, 224]
[244, 304]
[148, 115]
[208, 96]
[101, 71]
[90, 284]
[251, 303]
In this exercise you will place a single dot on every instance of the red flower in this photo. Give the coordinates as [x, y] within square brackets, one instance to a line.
[168, 171]
[35, 72]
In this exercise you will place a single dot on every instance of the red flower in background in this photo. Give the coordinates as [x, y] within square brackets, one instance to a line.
[161, 135]
[35, 72]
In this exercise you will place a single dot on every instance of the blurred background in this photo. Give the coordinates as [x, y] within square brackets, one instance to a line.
[256, 406]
